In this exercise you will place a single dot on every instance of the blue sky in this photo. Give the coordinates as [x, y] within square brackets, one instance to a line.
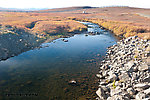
[69, 3]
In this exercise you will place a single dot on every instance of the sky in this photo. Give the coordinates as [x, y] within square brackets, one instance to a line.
[70, 3]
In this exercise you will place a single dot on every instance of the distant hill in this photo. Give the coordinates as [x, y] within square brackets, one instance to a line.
[20, 10]
[11, 10]
[66, 9]
[74, 9]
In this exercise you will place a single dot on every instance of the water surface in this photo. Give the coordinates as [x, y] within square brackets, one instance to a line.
[44, 73]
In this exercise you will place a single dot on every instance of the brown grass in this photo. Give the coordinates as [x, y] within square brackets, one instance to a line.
[144, 35]
[40, 23]
[120, 28]
[123, 21]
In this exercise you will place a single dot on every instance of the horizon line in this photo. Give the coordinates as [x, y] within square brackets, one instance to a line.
[40, 8]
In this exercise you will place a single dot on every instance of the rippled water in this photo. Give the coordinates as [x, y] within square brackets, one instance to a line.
[44, 73]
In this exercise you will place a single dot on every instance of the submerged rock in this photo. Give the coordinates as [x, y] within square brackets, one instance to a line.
[72, 82]
[65, 40]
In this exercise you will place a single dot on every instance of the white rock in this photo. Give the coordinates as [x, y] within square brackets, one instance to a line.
[131, 91]
[147, 91]
[115, 91]
[112, 76]
[115, 97]
[124, 77]
[100, 93]
[140, 96]
[99, 76]
[143, 67]
[141, 85]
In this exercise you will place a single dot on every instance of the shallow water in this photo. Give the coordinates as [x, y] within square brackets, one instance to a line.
[44, 73]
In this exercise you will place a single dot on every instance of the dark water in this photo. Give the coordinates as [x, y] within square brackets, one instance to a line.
[43, 74]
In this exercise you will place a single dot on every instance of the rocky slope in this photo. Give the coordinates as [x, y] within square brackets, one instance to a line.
[15, 41]
[125, 72]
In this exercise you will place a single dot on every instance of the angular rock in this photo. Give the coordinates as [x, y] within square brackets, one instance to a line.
[146, 79]
[116, 97]
[124, 77]
[115, 91]
[130, 63]
[112, 76]
[100, 92]
[103, 83]
[131, 91]
[142, 86]
[148, 48]
[147, 91]
[99, 76]
[140, 96]
[143, 67]
[148, 61]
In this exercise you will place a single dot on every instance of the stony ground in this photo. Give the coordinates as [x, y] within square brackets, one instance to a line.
[125, 72]
[14, 42]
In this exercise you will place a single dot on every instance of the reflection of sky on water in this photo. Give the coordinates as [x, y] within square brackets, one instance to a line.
[52, 61]
[78, 47]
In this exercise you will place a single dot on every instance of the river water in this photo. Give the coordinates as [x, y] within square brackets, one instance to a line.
[44, 73]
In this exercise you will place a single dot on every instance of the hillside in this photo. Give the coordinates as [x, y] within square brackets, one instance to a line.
[67, 9]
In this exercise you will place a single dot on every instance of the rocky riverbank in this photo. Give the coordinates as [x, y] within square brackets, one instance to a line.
[14, 41]
[125, 72]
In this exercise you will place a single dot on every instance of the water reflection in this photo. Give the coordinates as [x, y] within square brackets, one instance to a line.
[93, 28]
[47, 71]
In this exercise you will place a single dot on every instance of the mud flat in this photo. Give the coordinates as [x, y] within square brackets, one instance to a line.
[124, 73]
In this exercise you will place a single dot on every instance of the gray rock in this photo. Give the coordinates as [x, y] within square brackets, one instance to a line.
[143, 67]
[99, 76]
[147, 91]
[104, 73]
[148, 61]
[103, 83]
[116, 97]
[146, 98]
[115, 91]
[98, 98]
[140, 96]
[124, 77]
[142, 86]
[132, 72]
[100, 92]
[112, 76]
[105, 88]
[131, 91]
[130, 63]
[146, 79]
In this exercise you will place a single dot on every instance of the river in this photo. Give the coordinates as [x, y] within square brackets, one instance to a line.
[44, 73]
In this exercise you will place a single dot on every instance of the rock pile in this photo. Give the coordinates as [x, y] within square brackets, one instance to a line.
[125, 72]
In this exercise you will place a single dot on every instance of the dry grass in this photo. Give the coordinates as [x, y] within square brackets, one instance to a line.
[123, 21]
[57, 27]
[40, 23]
[144, 35]
[120, 28]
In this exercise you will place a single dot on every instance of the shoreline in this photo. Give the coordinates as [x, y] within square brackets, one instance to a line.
[14, 41]
[124, 73]
[109, 78]
[120, 28]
